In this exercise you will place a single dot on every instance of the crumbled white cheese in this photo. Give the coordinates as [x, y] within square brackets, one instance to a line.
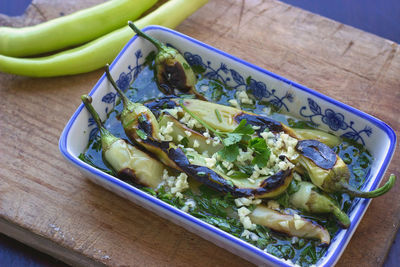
[188, 133]
[234, 103]
[227, 165]
[180, 137]
[243, 97]
[298, 224]
[245, 219]
[272, 204]
[243, 212]
[245, 156]
[175, 185]
[196, 143]
[216, 141]
[181, 183]
[244, 201]
[284, 224]
[174, 111]
[249, 235]
[190, 203]
[210, 162]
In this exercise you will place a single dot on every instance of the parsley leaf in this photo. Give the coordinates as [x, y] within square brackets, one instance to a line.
[244, 128]
[232, 138]
[261, 151]
[231, 141]
[229, 153]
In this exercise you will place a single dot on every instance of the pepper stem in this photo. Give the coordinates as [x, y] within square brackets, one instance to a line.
[347, 188]
[124, 98]
[341, 217]
[155, 42]
[106, 137]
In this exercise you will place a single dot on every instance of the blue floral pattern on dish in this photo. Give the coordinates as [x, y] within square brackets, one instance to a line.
[335, 121]
[124, 81]
[230, 76]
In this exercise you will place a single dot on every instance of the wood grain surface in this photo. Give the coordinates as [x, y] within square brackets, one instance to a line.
[48, 204]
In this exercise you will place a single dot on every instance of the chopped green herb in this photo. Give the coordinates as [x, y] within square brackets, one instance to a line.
[141, 134]
[128, 123]
[261, 151]
[229, 153]
[218, 115]
[248, 81]
[185, 141]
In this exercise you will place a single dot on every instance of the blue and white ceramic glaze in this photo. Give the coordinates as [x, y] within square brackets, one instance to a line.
[290, 97]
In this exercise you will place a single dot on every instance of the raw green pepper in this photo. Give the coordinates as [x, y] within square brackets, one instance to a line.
[70, 30]
[99, 52]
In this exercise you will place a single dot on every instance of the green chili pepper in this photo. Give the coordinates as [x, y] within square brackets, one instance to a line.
[71, 30]
[336, 177]
[128, 162]
[326, 169]
[172, 71]
[308, 199]
[97, 53]
[290, 224]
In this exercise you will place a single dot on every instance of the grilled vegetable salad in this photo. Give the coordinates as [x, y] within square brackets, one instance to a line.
[276, 182]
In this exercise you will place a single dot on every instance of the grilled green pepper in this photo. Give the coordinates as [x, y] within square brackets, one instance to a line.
[128, 162]
[307, 199]
[142, 127]
[290, 224]
[326, 169]
[329, 172]
[172, 71]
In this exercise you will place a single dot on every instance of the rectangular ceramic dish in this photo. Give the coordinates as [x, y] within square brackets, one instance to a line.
[292, 98]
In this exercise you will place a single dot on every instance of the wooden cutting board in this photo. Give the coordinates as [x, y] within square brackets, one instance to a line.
[46, 203]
